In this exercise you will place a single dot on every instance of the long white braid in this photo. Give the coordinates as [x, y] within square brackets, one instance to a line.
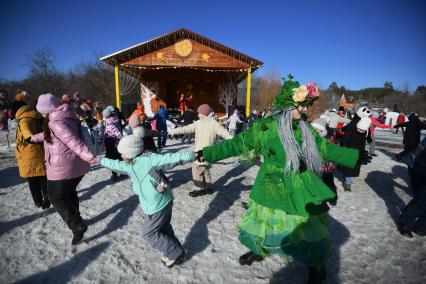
[293, 152]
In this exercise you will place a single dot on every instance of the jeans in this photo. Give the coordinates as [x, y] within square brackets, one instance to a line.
[372, 146]
[162, 137]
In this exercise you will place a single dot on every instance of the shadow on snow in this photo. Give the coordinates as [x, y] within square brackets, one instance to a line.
[197, 239]
[68, 270]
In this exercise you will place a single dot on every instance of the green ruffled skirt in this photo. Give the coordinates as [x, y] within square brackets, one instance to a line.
[267, 231]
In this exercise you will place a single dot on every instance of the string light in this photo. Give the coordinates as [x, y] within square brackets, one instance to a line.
[186, 67]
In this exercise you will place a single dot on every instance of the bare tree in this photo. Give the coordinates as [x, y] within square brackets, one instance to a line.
[269, 86]
[228, 92]
[44, 76]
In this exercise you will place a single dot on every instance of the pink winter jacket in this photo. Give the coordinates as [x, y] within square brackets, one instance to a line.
[67, 157]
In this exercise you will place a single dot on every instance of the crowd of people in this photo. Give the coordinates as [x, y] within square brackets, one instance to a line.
[58, 139]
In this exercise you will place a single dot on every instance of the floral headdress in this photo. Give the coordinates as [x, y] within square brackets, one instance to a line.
[293, 94]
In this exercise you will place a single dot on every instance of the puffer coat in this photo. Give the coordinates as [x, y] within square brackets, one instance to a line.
[30, 156]
[67, 156]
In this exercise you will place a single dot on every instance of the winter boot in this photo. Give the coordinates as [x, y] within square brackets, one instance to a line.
[347, 187]
[170, 263]
[78, 235]
[398, 158]
[249, 258]
[245, 205]
[196, 193]
[114, 176]
[419, 231]
[403, 230]
[316, 275]
[45, 204]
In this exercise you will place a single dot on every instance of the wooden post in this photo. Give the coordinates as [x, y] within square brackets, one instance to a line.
[117, 88]
[248, 92]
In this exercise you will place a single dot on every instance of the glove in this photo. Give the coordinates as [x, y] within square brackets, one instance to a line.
[199, 156]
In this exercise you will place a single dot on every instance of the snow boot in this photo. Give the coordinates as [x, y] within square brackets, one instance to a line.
[78, 235]
[316, 275]
[196, 193]
[403, 230]
[249, 258]
[419, 231]
[170, 263]
[114, 177]
[245, 205]
[45, 204]
[347, 187]
[398, 158]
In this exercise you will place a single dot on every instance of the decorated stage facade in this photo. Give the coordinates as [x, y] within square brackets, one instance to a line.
[184, 63]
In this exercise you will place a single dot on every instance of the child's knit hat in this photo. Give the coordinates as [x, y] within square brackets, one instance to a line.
[204, 109]
[106, 112]
[132, 145]
[134, 121]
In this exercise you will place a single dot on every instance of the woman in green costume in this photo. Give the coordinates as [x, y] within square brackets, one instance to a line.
[287, 205]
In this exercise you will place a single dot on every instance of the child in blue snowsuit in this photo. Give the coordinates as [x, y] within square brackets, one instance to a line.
[155, 197]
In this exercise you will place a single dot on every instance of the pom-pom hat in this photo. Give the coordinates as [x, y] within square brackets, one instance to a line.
[132, 145]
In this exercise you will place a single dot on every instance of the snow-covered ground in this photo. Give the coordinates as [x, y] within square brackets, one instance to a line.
[35, 245]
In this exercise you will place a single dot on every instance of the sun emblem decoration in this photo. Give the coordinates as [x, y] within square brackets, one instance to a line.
[205, 57]
[183, 48]
[160, 55]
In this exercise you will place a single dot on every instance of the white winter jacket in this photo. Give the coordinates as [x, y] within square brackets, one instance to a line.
[206, 132]
[333, 119]
[233, 120]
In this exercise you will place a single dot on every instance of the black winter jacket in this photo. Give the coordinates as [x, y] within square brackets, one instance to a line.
[355, 140]
[412, 131]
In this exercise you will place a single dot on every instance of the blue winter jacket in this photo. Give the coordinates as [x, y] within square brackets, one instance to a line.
[143, 173]
[161, 117]
[416, 159]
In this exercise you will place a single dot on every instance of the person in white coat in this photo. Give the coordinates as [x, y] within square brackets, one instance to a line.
[206, 130]
[233, 120]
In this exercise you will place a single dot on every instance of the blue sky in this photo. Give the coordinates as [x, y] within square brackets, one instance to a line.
[357, 43]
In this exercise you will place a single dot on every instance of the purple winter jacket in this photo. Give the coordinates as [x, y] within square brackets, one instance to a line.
[67, 157]
[112, 128]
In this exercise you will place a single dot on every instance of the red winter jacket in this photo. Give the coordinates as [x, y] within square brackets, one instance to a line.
[374, 123]
[400, 119]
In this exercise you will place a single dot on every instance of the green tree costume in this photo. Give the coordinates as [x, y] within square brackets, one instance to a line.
[286, 210]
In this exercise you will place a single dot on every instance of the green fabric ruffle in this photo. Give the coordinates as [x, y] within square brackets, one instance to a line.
[267, 231]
